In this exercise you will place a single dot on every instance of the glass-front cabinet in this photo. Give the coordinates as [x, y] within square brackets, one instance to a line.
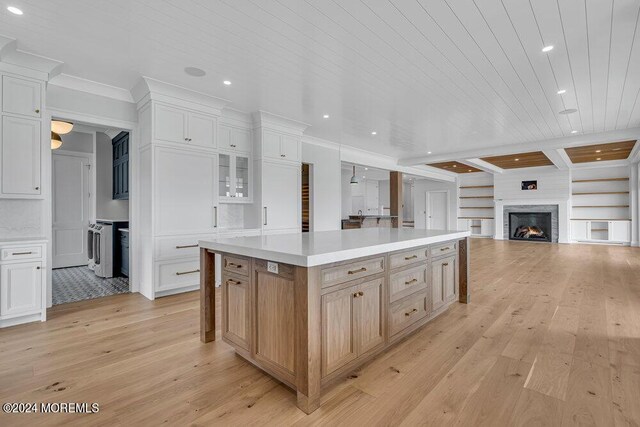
[234, 178]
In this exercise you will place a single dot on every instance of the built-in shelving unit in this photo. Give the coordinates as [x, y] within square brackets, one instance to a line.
[474, 193]
[600, 206]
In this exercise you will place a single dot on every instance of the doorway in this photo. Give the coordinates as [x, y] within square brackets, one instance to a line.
[89, 213]
[437, 210]
[306, 213]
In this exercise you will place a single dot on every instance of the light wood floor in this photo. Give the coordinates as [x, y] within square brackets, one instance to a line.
[551, 337]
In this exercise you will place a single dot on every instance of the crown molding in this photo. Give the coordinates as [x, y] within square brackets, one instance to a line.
[44, 68]
[312, 140]
[89, 86]
[149, 89]
[273, 121]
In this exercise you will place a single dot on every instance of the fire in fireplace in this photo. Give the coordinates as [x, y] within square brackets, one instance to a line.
[532, 226]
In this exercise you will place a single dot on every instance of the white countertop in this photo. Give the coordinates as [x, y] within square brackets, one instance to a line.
[11, 240]
[311, 249]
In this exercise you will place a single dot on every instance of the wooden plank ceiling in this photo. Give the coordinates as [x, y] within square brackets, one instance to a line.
[600, 152]
[519, 160]
[456, 167]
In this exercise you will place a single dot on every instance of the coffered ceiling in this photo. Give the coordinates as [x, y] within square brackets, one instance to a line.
[519, 160]
[600, 152]
[428, 76]
[456, 167]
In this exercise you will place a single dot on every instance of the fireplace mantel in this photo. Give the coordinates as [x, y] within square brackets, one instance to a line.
[564, 210]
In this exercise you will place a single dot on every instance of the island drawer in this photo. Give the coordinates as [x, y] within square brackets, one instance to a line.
[406, 282]
[21, 252]
[352, 270]
[448, 248]
[234, 264]
[405, 313]
[408, 257]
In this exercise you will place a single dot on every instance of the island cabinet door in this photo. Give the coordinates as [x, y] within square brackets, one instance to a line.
[443, 279]
[236, 320]
[338, 338]
[368, 319]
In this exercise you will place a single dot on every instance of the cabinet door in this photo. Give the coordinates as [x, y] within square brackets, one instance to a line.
[185, 192]
[224, 176]
[20, 156]
[20, 96]
[619, 231]
[449, 278]
[242, 177]
[241, 140]
[235, 297]
[437, 284]
[369, 316]
[486, 227]
[271, 144]
[290, 148]
[580, 230]
[338, 338]
[201, 130]
[224, 137]
[281, 196]
[20, 288]
[372, 198]
[170, 124]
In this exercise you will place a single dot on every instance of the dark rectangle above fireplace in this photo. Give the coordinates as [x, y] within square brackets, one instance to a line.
[531, 226]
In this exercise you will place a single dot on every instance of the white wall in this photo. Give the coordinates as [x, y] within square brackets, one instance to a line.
[78, 142]
[106, 207]
[384, 195]
[346, 193]
[552, 184]
[407, 201]
[420, 188]
[326, 186]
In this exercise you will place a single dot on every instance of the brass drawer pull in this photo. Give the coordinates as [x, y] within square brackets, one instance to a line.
[22, 253]
[444, 264]
[186, 246]
[233, 264]
[358, 294]
[407, 258]
[445, 249]
[180, 273]
[411, 281]
[411, 312]
[233, 282]
[360, 270]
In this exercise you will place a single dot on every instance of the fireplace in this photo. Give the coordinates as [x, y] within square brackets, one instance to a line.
[531, 226]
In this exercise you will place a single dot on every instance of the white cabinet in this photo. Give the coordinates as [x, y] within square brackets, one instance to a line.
[185, 192]
[281, 196]
[280, 146]
[486, 227]
[21, 96]
[601, 231]
[235, 178]
[20, 157]
[172, 124]
[620, 231]
[580, 230]
[234, 139]
[20, 288]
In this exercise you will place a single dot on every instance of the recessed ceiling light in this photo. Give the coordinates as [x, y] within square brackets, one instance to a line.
[326, 116]
[227, 83]
[469, 170]
[616, 149]
[14, 10]
[517, 160]
[547, 48]
[428, 152]
[568, 111]
[598, 151]
[574, 131]
[366, 169]
[455, 166]
[194, 72]
[561, 91]
[598, 158]
[374, 133]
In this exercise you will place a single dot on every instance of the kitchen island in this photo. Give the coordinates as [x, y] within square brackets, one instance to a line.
[310, 308]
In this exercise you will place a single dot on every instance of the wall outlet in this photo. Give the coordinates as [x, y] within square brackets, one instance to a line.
[272, 267]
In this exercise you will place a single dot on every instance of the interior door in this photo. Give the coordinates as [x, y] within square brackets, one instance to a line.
[437, 210]
[70, 208]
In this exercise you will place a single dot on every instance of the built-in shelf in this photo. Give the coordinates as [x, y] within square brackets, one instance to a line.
[600, 219]
[476, 197]
[476, 207]
[600, 192]
[600, 180]
[477, 186]
[475, 217]
[602, 206]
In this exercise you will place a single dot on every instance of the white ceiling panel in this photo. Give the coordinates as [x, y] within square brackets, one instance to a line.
[427, 75]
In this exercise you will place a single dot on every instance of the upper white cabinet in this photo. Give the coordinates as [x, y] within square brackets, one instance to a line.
[235, 178]
[20, 157]
[280, 146]
[234, 139]
[177, 125]
[281, 196]
[21, 96]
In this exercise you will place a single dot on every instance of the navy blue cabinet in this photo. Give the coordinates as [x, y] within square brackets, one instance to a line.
[121, 166]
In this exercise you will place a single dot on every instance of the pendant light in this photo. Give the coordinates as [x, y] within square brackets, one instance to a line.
[61, 127]
[354, 180]
[56, 141]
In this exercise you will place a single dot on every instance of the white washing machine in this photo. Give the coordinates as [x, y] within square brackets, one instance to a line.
[91, 262]
[103, 250]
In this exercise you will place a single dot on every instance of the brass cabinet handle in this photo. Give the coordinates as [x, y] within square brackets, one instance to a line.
[358, 294]
[445, 249]
[186, 246]
[407, 258]
[360, 270]
[233, 145]
[265, 216]
[411, 281]
[233, 264]
[186, 139]
[37, 110]
[37, 188]
[38, 268]
[180, 273]
[444, 264]
[409, 313]
[22, 253]
[215, 217]
[233, 282]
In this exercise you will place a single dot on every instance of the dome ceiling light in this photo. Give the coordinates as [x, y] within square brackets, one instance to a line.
[56, 141]
[61, 127]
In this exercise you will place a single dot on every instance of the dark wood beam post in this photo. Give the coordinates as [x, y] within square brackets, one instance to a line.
[395, 193]
[308, 345]
[463, 273]
[207, 296]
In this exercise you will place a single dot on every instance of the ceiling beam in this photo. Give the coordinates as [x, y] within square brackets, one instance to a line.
[559, 158]
[548, 144]
[484, 166]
